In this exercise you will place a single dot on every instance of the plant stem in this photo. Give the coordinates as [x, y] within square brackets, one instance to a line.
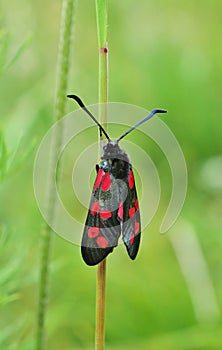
[100, 305]
[101, 14]
[46, 233]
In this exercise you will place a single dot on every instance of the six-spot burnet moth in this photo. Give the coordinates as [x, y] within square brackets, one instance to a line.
[114, 208]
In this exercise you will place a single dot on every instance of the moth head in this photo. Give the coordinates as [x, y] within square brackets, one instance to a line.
[112, 150]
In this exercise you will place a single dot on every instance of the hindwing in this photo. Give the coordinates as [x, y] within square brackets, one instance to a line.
[131, 230]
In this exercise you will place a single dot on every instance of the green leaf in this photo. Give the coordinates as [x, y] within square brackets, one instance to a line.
[8, 298]
[4, 44]
[19, 156]
[3, 156]
[19, 52]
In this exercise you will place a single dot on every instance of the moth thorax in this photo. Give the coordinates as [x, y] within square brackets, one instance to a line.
[120, 168]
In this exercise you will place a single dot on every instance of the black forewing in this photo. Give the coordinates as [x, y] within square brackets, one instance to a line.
[102, 228]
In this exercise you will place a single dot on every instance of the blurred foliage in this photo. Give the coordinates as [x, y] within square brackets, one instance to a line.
[164, 54]
[13, 327]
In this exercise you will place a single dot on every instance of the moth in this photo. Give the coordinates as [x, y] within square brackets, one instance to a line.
[114, 207]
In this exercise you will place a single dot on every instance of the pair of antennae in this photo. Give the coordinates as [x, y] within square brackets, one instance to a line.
[81, 104]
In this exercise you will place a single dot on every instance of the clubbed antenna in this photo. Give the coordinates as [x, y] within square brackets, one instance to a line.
[141, 122]
[81, 104]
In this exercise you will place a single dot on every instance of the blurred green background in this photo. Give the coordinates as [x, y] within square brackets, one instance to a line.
[161, 53]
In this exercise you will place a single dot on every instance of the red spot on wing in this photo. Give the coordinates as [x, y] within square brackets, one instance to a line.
[106, 182]
[131, 179]
[93, 232]
[131, 212]
[95, 208]
[102, 242]
[98, 179]
[136, 227]
[136, 204]
[105, 214]
[132, 239]
[120, 210]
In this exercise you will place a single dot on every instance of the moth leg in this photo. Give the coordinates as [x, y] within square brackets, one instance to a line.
[97, 168]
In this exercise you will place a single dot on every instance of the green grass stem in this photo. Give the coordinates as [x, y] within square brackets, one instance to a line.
[101, 15]
[46, 233]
